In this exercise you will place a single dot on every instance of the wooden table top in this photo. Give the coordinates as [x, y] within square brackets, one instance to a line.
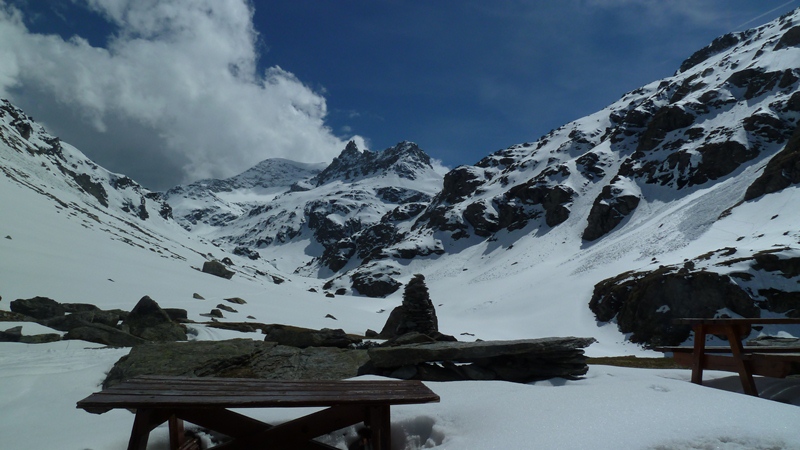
[184, 392]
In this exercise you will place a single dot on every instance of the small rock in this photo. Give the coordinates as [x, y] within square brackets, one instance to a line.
[198, 296]
[8, 237]
[237, 300]
[11, 335]
[40, 338]
[214, 313]
[330, 316]
[329, 295]
[226, 308]
[341, 291]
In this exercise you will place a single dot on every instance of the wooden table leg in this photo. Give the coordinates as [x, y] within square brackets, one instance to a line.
[745, 372]
[380, 422]
[144, 422]
[176, 432]
[698, 353]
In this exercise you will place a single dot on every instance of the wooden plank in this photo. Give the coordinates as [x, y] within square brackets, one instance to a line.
[296, 433]
[176, 392]
[227, 422]
[766, 364]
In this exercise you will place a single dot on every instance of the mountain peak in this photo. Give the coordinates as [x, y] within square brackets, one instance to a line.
[405, 160]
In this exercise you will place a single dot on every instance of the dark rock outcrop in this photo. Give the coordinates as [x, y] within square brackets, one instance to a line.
[782, 171]
[645, 304]
[374, 284]
[608, 210]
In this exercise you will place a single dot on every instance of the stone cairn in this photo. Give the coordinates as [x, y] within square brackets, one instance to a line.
[419, 314]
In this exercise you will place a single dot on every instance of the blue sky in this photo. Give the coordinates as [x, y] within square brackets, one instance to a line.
[171, 91]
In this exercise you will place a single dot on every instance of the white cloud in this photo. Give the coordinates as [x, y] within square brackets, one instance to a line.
[185, 69]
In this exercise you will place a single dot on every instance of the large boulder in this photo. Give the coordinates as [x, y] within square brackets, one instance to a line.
[305, 337]
[103, 334]
[83, 318]
[244, 358]
[13, 334]
[217, 268]
[519, 361]
[148, 321]
[38, 307]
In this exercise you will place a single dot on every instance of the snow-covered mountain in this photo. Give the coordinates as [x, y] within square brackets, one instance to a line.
[678, 199]
[312, 220]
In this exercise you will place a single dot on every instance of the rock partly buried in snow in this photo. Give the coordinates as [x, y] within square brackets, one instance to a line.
[243, 358]
[148, 321]
[518, 361]
[305, 337]
[103, 334]
[14, 334]
[373, 284]
[38, 307]
[83, 318]
[217, 268]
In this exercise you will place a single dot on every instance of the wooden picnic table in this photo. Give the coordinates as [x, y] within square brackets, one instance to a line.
[206, 402]
[773, 361]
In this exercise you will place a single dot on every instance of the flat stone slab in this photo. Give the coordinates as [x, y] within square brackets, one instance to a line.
[556, 348]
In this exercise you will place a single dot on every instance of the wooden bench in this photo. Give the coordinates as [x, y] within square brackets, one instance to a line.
[206, 401]
[746, 360]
